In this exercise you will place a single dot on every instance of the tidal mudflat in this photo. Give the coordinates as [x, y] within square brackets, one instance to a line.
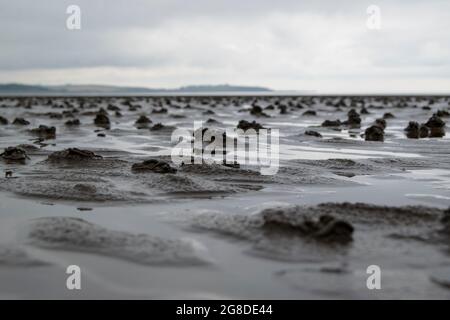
[89, 181]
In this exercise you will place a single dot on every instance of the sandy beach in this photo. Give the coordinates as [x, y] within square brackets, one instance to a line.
[76, 189]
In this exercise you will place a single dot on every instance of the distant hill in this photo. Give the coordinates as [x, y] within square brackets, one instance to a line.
[221, 88]
[12, 87]
[23, 89]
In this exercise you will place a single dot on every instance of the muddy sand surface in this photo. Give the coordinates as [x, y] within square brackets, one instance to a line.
[89, 181]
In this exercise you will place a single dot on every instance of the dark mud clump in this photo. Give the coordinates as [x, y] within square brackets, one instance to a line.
[73, 154]
[157, 127]
[154, 165]
[364, 110]
[212, 121]
[208, 112]
[309, 113]
[381, 123]
[14, 154]
[245, 125]
[325, 228]
[142, 122]
[161, 127]
[258, 112]
[74, 122]
[21, 122]
[445, 220]
[3, 121]
[388, 115]
[102, 120]
[102, 111]
[424, 131]
[160, 111]
[416, 131]
[437, 127]
[112, 107]
[354, 119]
[44, 132]
[283, 109]
[374, 133]
[332, 123]
[443, 113]
[65, 233]
[313, 133]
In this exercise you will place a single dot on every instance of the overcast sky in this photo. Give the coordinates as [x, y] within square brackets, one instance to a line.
[283, 44]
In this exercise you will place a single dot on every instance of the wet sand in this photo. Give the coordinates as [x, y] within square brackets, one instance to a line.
[338, 203]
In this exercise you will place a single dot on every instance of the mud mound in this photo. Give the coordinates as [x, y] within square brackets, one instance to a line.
[14, 154]
[413, 163]
[112, 180]
[363, 212]
[216, 169]
[345, 167]
[77, 190]
[325, 228]
[66, 233]
[306, 175]
[153, 165]
[184, 184]
[18, 257]
[316, 232]
[73, 154]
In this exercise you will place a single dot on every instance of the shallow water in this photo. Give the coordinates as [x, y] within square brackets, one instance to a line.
[397, 172]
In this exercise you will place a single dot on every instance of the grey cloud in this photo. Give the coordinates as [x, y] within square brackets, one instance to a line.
[218, 40]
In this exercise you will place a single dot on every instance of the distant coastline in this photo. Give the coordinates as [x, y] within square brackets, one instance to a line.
[23, 89]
